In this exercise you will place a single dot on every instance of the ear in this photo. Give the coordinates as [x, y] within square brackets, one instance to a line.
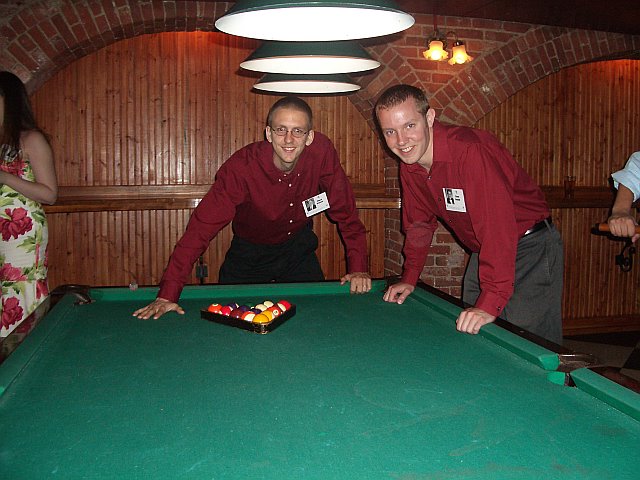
[267, 133]
[431, 116]
[309, 138]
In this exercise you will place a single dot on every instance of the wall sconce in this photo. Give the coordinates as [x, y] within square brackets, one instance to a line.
[310, 58]
[307, 84]
[437, 49]
[313, 20]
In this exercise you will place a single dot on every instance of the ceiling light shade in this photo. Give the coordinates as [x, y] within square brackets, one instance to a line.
[334, 83]
[313, 20]
[459, 54]
[310, 58]
[435, 51]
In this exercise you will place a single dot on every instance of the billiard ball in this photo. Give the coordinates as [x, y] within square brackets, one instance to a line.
[232, 305]
[256, 310]
[284, 305]
[214, 308]
[244, 308]
[268, 303]
[261, 306]
[268, 314]
[225, 310]
[248, 316]
[261, 318]
[275, 311]
[236, 313]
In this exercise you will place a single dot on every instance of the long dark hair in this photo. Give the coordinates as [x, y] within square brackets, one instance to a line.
[18, 115]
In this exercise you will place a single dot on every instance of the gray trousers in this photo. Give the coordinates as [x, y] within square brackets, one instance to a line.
[536, 304]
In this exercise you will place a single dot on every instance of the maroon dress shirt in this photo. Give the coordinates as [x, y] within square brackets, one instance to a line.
[265, 206]
[501, 202]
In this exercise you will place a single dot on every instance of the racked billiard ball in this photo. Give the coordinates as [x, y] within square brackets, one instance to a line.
[268, 303]
[261, 318]
[284, 305]
[248, 316]
[236, 313]
[261, 306]
[268, 314]
[275, 311]
[214, 308]
[225, 310]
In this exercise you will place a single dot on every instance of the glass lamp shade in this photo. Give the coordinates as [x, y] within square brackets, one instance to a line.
[435, 51]
[334, 83]
[459, 54]
[309, 58]
[313, 20]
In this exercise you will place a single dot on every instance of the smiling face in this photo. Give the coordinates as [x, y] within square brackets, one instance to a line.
[408, 133]
[288, 148]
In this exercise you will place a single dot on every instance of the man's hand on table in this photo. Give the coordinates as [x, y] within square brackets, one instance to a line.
[157, 308]
[398, 292]
[360, 282]
[471, 319]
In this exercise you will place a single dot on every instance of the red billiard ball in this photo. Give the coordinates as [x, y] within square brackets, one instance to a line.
[226, 310]
[236, 313]
[275, 311]
[284, 305]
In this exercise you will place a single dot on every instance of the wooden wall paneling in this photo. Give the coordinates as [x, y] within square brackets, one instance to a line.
[164, 111]
[581, 121]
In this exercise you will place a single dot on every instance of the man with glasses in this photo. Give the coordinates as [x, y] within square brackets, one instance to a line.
[270, 190]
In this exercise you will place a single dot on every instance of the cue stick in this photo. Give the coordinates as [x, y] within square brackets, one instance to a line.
[604, 227]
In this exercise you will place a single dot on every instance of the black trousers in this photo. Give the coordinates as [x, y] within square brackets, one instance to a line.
[292, 261]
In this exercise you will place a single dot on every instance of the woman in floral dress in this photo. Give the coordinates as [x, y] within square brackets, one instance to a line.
[27, 180]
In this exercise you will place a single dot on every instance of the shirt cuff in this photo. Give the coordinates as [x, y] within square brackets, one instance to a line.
[411, 277]
[627, 179]
[491, 303]
[170, 291]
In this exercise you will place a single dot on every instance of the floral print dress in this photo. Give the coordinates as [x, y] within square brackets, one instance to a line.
[23, 247]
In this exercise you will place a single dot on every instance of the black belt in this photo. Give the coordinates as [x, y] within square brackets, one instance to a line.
[539, 226]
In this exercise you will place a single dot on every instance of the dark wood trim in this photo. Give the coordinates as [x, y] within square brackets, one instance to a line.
[588, 325]
[175, 197]
[583, 197]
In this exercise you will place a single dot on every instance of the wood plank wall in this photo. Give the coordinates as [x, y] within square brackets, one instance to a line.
[582, 121]
[163, 112]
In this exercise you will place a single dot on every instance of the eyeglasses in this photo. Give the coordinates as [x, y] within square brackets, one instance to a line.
[282, 131]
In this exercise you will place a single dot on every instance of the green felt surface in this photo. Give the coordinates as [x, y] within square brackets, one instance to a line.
[350, 387]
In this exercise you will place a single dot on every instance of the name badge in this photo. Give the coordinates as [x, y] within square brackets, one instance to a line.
[316, 204]
[454, 199]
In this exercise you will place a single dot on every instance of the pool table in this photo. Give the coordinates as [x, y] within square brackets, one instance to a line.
[350, 387]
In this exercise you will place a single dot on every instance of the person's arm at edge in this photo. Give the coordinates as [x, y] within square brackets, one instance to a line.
[621, 222]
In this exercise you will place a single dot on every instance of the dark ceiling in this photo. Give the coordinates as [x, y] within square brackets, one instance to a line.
[622, 16]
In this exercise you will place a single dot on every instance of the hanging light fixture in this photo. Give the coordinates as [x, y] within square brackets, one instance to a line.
[459, 53]
[437, 47]
[310, 57]
[330, 83]
[313, 20]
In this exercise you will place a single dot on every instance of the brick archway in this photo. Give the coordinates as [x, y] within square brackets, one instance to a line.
[44, 37]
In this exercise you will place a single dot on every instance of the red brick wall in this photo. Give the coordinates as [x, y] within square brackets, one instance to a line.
[37, 38]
